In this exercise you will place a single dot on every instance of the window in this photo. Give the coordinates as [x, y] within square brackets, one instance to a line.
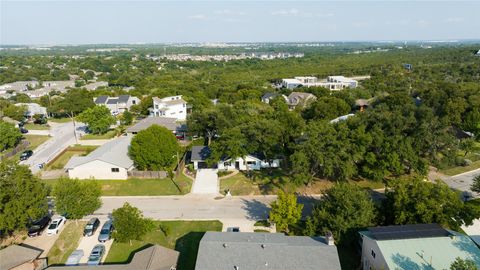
[115, 170]
[251, 162]
[226, 164]
[373, 254]
[180, 112]
[156, 106]
[134, 102]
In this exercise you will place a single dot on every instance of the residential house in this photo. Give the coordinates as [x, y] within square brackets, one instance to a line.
[199, 155]
[174, 106]
[478, 53]
[169, 123]
[19, 86]
[341, 82]
[341, 118]
[33, 109]
[109, 161]
[291, 83]
[152, 258]
[117, 105]
[95, 85]
[22, 257]
[419, 246]
[270, 96]
[260, 251]
[300, 99]
[332, 82]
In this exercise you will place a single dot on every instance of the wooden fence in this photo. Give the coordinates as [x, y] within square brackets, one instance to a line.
[148, 174]
[19, 148]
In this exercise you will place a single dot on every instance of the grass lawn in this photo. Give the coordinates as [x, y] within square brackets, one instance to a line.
[108, 135]
[461, 169]
[140, 187]
[31, 126]
[35, 140]
[183, 236]
[66, 243]
[61, 160]
[60, 120]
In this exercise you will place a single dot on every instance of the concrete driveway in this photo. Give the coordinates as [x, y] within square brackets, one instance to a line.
[88, 242]
[44, 242]
[206, 182]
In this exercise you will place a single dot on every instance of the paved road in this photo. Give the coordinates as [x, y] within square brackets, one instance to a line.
[62, 137]
[199, 207]
[462, 181]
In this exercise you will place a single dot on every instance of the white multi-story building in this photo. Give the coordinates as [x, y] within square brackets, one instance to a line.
[173, 107]
[332, 82]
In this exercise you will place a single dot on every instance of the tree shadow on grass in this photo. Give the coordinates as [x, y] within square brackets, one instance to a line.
[187, 245]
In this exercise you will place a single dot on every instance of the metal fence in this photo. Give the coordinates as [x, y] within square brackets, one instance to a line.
[148, 174]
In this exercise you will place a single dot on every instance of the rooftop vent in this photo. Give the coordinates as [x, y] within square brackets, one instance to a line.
[236, 267]
[329, 238]
[263, 246]
[225, 245]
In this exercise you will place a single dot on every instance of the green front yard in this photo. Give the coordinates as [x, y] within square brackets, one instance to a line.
[60, 120]
[61, 160]
[473, 156]
[108, 135]
[31, 126]
[141, 187]
[183, 236]
[34, 140]
[66, 243]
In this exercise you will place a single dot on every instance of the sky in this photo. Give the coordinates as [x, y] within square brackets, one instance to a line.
[157, 21]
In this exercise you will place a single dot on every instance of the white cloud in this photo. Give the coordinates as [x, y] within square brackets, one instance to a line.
[229, 12]
[455, 20]
[198, 17]
[326, 15]
[286, 12]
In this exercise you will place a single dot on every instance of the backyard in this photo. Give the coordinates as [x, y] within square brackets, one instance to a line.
[66, 243]
[61, 160]
[108, 135]
[183, 236]
[141, 187]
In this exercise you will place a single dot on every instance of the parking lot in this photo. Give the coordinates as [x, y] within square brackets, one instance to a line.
[88, 242]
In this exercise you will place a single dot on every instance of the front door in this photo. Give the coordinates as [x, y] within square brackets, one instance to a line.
[237, 165]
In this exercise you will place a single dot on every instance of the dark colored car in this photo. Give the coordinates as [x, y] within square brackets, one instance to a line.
[106, 232]
[26, 154]
[91, 227]
[23, 130]
[37, 226]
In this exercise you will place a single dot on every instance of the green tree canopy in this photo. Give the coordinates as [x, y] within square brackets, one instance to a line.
[285, 211]
[154, 148]
[98, 119]
[475, 187]
[417, 201]
[345, 209]
[130, 224]
[23, 197]
[74, 101]
[126, 118]
[463, 264]
[10, 135]
[77, 198]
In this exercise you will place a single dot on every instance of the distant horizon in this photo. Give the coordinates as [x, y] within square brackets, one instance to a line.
[159, 22]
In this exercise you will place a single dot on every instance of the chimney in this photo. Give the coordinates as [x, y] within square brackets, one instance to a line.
[329, 238]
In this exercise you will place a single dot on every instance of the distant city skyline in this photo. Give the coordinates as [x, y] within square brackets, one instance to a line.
[127, 22]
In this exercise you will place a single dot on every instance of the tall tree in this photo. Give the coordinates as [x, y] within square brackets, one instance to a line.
[345, 209]
[77, 198]
[475, 187]
[285, 211]
[154, 148]
[463, 264]
[98, 119]
[23, 197]
[130, 224]
[10, 135]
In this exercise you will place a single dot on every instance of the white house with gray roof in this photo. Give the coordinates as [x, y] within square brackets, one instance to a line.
[264, 251]
[117, 105]
[418, 246]
[173, 107]
[109, 161]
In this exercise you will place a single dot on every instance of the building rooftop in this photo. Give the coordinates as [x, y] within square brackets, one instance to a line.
[114, 152]
[169, 123]
[254, 251]
[169, 100]
[101, 100]
[422, 246]
[200, 153]
[152, 258]
[15, 255]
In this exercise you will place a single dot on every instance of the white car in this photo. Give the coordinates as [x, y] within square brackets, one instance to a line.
[55, 226]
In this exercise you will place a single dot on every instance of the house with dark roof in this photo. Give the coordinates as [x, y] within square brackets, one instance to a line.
[300, 99]
[152, 258]
[166, 122]
[109, 161]
[200, 154]
[418, 246]
[21, 257]
[117, 105]
[262, 251]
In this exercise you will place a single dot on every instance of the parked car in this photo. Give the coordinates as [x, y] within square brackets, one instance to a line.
[180, 137]
[23, 130]
[96, 255]
[55, 225]
[38, 225]
[106, 232]
[26, 155]
[91, 227]
[75, 257]
[233, 229]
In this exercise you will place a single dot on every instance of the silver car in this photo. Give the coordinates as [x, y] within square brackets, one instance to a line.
[106, 232]
[75, 257]
[96, 255]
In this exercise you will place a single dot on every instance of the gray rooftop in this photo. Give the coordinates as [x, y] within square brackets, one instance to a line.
[152, 258]
[200, 153]
[101, 100]
[252, 251]
[114, 152]
[169, 123]
[15, 255]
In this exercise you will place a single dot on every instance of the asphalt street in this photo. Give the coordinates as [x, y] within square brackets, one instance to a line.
[462, 181]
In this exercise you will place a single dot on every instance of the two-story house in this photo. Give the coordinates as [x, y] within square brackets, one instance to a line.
[173, 107]
[117, 105]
